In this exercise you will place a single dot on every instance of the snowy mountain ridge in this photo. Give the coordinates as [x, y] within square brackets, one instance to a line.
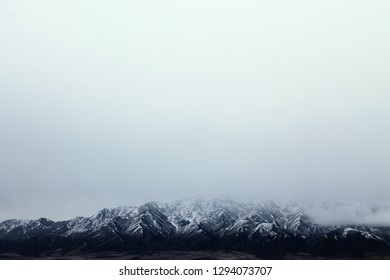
[192, 224]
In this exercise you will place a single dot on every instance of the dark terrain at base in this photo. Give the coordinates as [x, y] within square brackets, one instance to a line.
[192, 255]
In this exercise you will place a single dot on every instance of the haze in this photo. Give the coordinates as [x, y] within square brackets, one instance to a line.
[108, 103]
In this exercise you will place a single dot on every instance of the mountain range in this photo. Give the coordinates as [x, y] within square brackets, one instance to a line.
[194, 228]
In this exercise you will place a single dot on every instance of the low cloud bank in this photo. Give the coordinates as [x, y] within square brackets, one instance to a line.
[343, 213]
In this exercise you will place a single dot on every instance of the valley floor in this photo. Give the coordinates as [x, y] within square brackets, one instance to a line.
[189, 255]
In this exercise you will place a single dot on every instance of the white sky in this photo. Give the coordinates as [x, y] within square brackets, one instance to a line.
[108, 103]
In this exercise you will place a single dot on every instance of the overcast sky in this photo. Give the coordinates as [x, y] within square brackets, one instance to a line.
[108, 103]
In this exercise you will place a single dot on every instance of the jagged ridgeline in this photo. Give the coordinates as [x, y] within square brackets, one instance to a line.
[193, 229]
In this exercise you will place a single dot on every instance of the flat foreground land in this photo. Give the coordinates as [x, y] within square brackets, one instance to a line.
[186, 255]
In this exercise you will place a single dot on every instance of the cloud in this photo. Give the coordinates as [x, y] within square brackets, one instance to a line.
[118, 104]
[349, 213]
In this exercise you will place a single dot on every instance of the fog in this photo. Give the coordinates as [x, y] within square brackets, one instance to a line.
[348, 213]
[108, 103]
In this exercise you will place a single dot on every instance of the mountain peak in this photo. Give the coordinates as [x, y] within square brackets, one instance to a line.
[193, 223]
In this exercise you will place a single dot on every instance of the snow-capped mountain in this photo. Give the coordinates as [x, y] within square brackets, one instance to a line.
[267, 228]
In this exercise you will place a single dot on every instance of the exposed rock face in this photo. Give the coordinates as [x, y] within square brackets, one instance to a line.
[265, 229]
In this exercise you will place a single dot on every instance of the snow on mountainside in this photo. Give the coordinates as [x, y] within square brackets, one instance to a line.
[182, 217]
[194, 223]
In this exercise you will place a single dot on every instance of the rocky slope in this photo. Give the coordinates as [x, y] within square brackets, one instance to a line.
[266, 230]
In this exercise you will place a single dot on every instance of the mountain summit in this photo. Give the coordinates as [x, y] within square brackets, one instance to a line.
[261, 230]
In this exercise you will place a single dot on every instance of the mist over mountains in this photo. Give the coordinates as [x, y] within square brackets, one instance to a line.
[262, 230]
[349, 212]
[168, 99]
[323, 212]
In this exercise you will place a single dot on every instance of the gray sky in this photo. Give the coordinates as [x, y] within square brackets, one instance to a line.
[108, 103]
